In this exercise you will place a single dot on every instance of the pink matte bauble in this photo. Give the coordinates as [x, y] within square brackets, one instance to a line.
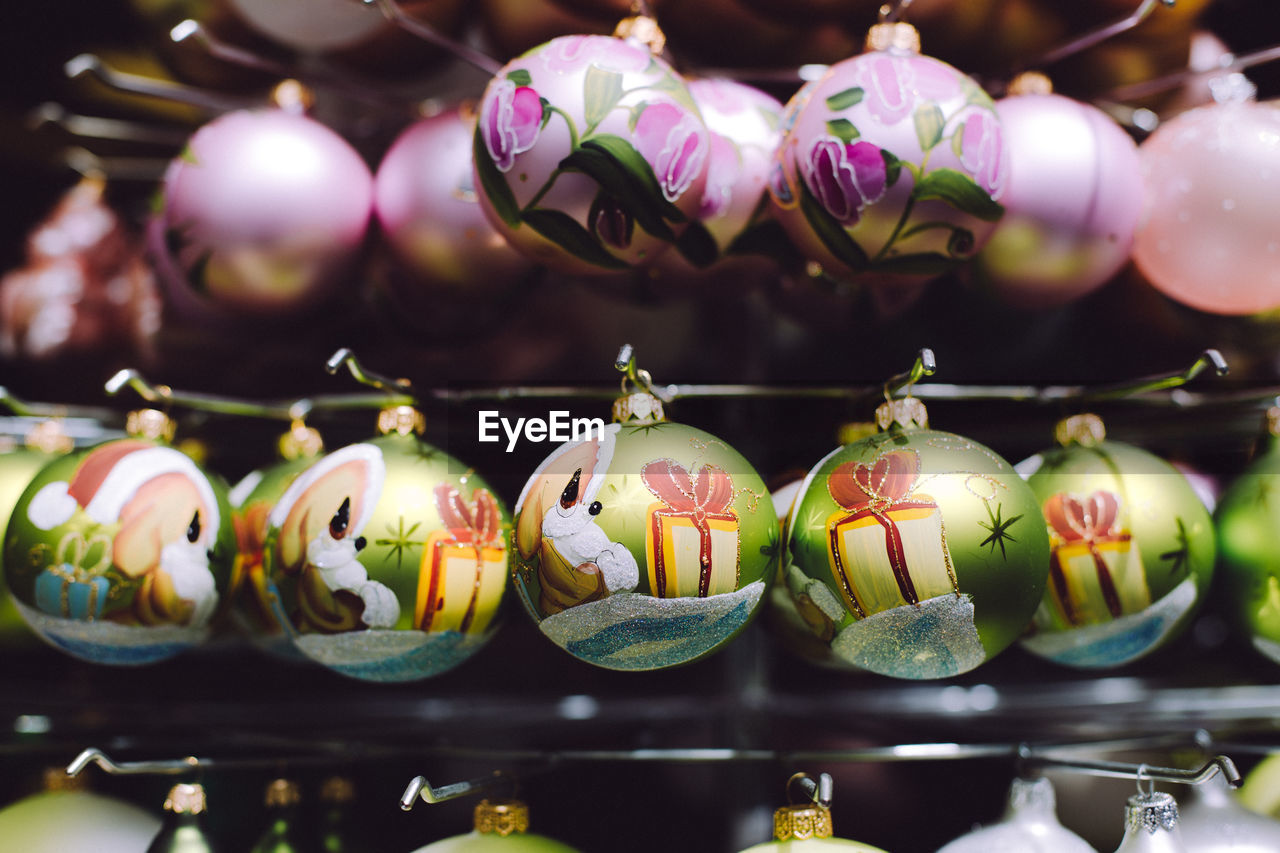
[430, 214]
[266, 211]
[1072, 202]
[893, 169]
[311, 25]
[571, 97]
[1211, 238]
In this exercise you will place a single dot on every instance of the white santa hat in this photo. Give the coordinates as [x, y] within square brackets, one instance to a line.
[376, 471]
[53, 505]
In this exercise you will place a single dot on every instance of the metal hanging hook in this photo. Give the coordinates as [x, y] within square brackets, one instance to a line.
[392, 12]
[815, 790]
[925, 365]
[891, 12]
[85, 163]
[94, 127]
[175, 767]
[346, 358]
[419, 787]
[90, 65]
[1210, 359]
[1226, 64]
[1219, 764]
[1102, 33]
[1151, 783]
[635, 378]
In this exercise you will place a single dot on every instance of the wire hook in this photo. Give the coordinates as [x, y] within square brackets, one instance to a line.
[346, 358]
[1209, 359]
[130, 768]
[925, 365]
[391, 10]
[1102, 33]
[419, 787]
[91, 65]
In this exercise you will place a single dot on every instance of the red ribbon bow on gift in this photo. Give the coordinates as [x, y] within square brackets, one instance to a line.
[1086, 522]
[711, 494]
[877, 489]
[478, 525]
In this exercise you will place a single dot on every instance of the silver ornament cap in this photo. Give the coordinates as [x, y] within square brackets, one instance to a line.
[1151, 825]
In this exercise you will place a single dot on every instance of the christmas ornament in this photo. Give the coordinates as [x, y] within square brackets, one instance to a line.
[264, 212]
[65, 817]
[1133, 549]
[183, 830]
[1214, 821]
[645, 543]
[310, 25]
[501, 826]
[1072, 201]
[336, 832]
[1260, 792]
[84, 288]
[1151, 825]
[590, 154]
[895, 164]
[1030, 823]
[389, 556]
[1246, 522]
[281, 834]
[431, 218]
[1208, 240]
[121, 553]
[807, 827]
[914, 553]
[256, 601]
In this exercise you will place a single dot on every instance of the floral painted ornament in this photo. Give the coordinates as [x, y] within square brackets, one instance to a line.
[389, 557]
[913, 553]
[590, 154]
[1133, 549]
[647, 545]
[894, 164]
[122, 553]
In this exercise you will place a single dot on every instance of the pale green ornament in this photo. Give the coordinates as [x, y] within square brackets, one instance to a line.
[500, 827]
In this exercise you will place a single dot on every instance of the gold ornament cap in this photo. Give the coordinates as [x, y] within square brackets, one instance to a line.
[896, 36]
[638, 408]
[337, 790]
[643, 30]
[1031, 83]
[907, 413]
[501, 817]
[300, 442]
[49, 437]
[401, 420]
[801, 823]
[282, 793]
[1086, 430]
[151, 424]
[58, 779]
[185, 799]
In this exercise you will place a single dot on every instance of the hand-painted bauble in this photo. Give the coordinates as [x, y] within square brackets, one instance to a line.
[430, 215]
[915, 553]
[256, 604]
[643, 544]
[389, 557]
[1072, 202]
[17, 469]
[1247, 519]
[501, 826]
[1133, 549]
[61, 821]
[1030, 823]
[122, 553]
[807, 828]
[1214, 821]
[895, 164]
[1209, 239]
[265, 211]
[590, 154]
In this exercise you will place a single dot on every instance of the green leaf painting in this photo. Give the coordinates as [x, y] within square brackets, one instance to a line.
[843, 130]
[844, 100]
[563, 230]
[494, 184]
[958, 190]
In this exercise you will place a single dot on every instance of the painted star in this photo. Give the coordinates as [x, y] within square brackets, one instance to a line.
[400, 541]
[1179, 556]
[999, 529]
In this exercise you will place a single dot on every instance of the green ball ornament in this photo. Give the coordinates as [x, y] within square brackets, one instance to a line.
[62, 821]
[1247, 518]
[388, 557]
[914, 553]
[807, 828]
[646, 544]
[500, 827]
[121, 554]
[255, 600]
[1133, 549]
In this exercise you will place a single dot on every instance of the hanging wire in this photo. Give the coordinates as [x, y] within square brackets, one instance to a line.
[90, 65]
[1097, 36]
[392, 12]
[94, 127]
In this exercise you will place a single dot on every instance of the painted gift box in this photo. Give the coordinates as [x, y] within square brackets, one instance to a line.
[1095, 573]
[71, 590]
[692, 539]
[887, 544]
[464, 566]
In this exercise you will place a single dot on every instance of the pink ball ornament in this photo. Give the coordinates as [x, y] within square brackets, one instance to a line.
[1210, 239]
[894, 165]
[1072, 202]
[590, 154]
[430, 213]
[266, 210]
